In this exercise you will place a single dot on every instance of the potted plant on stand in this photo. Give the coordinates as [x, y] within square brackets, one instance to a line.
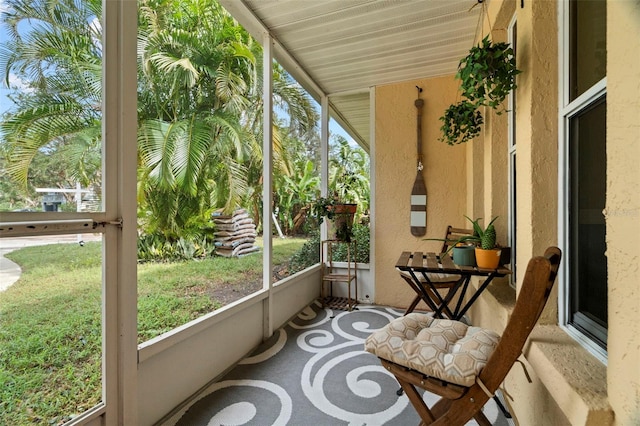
[339, 212]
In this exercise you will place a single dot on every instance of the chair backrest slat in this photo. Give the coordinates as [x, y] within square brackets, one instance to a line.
[536, 287]
[452, 235]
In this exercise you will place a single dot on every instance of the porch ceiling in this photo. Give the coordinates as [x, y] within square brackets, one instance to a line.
[341, 48]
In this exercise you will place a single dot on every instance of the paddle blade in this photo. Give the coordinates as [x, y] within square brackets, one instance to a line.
[419, 207]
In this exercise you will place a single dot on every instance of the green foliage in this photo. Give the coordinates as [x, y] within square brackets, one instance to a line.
[340, 213]
[349, 174]
[487, 75]
[293, 195]
[309, 253]
[201, 116]
[197, 70]
[193, 240]
[157, 247]
[486, 237]
[348, 184]
[59, 61]
[199, 107]
[461, 123]
[325, 207]
[361, 235]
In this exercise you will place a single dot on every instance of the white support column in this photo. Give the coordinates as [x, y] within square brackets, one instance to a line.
[267, 179]
[324, 155]
[119, 128]
[372, 188]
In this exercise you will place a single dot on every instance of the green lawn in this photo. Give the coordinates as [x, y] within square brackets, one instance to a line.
[50, 330]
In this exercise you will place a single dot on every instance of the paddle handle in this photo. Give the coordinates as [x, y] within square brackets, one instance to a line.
[419, 103]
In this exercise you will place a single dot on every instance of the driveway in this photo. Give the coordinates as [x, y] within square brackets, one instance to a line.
[10, 271]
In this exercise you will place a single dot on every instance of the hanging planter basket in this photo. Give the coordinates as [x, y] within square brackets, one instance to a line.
[461, 123]
[487, 75]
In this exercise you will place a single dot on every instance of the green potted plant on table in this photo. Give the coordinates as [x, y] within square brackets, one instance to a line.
[464, 254]
[486, 251]
[479, 248]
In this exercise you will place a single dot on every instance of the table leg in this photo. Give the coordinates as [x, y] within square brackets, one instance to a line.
[463, 292]
[477, 294]
[444, 303]
[418, 288]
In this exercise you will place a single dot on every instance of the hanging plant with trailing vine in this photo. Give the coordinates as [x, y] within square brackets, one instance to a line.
[487, 75]
[462, 122]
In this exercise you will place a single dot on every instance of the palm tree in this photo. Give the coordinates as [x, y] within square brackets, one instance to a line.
[59, 58]
[194, 64]
[199, 71]
[199, 94]
[290, 139]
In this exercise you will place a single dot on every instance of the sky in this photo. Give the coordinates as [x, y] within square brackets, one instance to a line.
[5, 103]
[4, 91]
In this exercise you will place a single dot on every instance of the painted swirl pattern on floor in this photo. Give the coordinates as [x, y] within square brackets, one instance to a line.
[314, 371]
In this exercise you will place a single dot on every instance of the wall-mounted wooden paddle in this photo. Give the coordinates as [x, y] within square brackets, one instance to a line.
[419, 191]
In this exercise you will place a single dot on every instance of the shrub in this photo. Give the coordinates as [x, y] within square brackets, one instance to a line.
[361, 235]
[157, 247]
[309, 254]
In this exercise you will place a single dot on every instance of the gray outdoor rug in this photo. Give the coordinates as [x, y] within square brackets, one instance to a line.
[314, 371]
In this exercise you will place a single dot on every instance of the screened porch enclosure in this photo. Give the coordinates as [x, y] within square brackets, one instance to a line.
[361, 61]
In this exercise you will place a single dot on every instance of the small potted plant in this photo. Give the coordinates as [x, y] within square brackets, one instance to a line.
[338, 211]
[464, 254]
[478, 249]
[487, 253]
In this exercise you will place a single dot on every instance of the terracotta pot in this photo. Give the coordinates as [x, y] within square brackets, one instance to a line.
[487, 259]
[343, 221]
[345, 208]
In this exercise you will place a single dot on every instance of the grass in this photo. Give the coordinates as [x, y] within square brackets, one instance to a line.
[50, 321]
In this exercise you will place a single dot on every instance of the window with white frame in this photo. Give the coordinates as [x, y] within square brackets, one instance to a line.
[583, 181]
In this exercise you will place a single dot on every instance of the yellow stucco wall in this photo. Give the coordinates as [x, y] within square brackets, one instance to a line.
[623, 208]
[570, 385]
[395, 172]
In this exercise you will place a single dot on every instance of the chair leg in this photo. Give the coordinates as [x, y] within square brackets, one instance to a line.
[417, 402]
[481, 419]
[441, 407]
[459, 411]
[413, 305]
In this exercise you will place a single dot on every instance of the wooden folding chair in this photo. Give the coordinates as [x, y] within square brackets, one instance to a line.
[439, 280]
[464, 365]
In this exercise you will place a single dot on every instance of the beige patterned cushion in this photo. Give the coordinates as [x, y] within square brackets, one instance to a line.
[442, 348]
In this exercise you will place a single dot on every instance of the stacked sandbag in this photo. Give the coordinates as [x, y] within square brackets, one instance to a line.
[235, 234]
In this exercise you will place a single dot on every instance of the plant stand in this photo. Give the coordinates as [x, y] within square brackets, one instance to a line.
[330, 275]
